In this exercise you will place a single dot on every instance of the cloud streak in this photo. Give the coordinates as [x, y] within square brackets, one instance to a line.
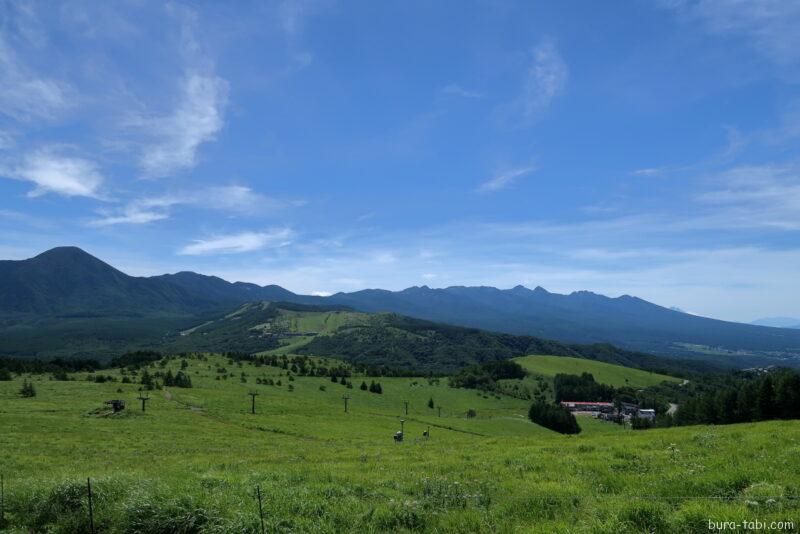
[505, 179]
[769, 26]
[26, 96]
[232, 198]
[238, 243]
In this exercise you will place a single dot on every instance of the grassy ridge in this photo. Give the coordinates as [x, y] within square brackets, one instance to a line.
[604, 373]
[192, 461]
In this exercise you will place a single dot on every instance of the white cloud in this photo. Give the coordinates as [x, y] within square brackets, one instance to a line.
[233, 198]
[652, 171]
[457, 90]
[757, 196]
[504, 179]
[55, 173]
[24, 95]
[196, 120]
[238, 243]
[385, 258]
[770, 26]
[132, 214]
[545, 79]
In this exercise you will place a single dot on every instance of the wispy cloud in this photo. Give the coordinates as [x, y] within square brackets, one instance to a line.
[758, 196]
[457, 90]
[233, 198]
[176, 137]
[545, 79]
[238, 243]
[134, 213]
[770, 26]
[650, 171]
[504, 179]
[26, 95]
[53, 172]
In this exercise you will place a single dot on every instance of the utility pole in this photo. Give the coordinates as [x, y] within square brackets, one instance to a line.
[253, 395]
[346, 398]
[91, 507]
[260, 508]
[143, 399]
[402, 426]
[406, 404]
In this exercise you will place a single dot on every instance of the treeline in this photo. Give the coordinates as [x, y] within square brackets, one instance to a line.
[745, 397]
[486, 375]
[554, 417]
[581, 388]
[299, 365]
[25, 366]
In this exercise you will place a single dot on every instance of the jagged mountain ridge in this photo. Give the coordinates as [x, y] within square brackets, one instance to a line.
[67, 281]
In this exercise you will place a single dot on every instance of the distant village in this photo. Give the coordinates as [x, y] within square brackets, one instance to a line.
[608, 411]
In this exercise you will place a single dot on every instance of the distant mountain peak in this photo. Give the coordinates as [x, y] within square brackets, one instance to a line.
[64, 252]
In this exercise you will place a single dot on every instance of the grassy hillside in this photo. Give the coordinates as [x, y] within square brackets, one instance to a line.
[288, 328]
[604, 373]
[395, 340]
[192, 462]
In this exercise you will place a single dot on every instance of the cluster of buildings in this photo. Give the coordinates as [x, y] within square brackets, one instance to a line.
[607, 410]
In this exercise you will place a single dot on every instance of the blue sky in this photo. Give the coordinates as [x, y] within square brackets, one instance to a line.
[647, 148]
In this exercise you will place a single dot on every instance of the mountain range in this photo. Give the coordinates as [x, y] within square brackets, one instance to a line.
[66, 283]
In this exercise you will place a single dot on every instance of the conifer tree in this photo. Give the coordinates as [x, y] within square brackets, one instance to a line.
[27, 389]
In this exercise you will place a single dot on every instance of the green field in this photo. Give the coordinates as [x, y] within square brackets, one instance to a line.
[192, 462]
[604, 373]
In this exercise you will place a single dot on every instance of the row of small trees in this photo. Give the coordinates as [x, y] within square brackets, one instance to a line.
[374, 387]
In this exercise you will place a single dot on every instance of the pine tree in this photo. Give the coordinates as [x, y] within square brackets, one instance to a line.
[5, 375]
[182, 380]
[147, 380]
[364, 386]
[27, 389]
[765, 400]
[430, 403]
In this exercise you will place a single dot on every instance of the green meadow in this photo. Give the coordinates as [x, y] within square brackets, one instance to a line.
[192, 462]
[604, 373]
